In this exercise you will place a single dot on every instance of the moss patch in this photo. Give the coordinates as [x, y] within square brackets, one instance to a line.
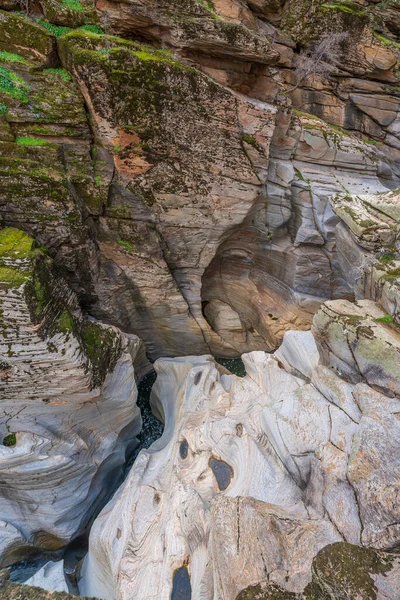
[15, 243]
[386, 258]
[11, 57]
[62, 73]
[10, 440]
[73, 5]
[13, 85]
[101, 346]
[30, 141]
[65, 322]
[347, 7]
[343, 566]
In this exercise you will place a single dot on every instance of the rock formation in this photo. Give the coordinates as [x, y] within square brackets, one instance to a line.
[68, 416]
[169, 172]
[12, 591]
[254, 476]
[190, 204]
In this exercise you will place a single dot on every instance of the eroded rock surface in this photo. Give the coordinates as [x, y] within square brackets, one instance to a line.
[68, 404]
[255, 476]
[182, 197]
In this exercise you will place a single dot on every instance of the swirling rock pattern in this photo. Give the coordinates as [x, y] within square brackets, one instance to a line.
[254, 476]
[68, 404]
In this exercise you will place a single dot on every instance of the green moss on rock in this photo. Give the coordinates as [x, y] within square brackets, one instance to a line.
[265, 592]
[26, 38]
[13, 591]
[10, 440]
[102, 347]
[347, 571]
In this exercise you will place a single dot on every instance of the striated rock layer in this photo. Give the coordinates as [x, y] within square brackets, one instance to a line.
[175, 187]
[68, 414]
[278, 480]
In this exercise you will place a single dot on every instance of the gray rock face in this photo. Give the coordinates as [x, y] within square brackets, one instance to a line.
[255, 476]
[68, 404]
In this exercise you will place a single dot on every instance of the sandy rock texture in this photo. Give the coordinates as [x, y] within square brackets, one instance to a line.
[68, 404]
[274, 477]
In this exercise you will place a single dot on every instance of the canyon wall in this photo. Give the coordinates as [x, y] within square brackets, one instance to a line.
[68, 405]
[176, 188]
[172, 184]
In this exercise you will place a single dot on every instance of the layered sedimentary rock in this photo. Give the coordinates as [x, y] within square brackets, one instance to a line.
[255, 478]
[182, 211]
[368, 243]
[68, 415]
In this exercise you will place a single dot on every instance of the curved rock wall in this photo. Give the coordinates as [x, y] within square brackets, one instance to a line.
[68, 405]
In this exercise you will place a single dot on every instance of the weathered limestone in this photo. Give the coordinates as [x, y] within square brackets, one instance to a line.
[67, 394]
[254, 477]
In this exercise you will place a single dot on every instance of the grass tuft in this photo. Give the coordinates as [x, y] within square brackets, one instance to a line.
[56, 30]
[65, 76]
[13, 85]
[30, 141]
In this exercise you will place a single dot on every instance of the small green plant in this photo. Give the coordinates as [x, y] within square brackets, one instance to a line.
[387, 257]
[10, 440]
[13, 85]
[299, 175]
[56, 30]
[73, 5]
[11, 57]
[30, 141]
[166, 52]
[3, 109]
[92, 29]
[251, 140]
[65, 76]
[97, 181]
[126, 245]
[387, 320]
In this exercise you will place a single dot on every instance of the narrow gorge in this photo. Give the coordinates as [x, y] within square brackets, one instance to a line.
[199, 299]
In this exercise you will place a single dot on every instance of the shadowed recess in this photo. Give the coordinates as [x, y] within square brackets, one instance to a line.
[234, 365]
[222, 471]
[183, 449]
[181, 588]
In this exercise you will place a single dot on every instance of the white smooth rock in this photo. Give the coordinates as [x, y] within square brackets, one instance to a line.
[50, 577]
